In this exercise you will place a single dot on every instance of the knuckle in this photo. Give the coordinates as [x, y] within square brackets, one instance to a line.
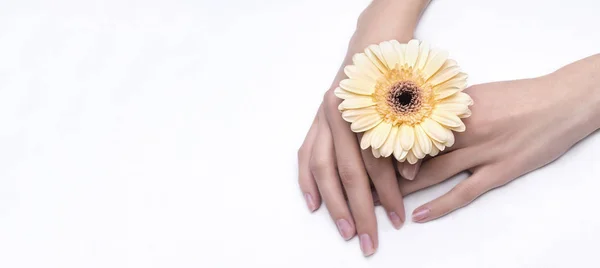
[348, 175]
[467, 193]
[330, 99]
[478, 126]
[495, 184]
[319, 165]
[302, 151]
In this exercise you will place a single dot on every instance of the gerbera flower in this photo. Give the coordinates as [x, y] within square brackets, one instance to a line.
[406, 99]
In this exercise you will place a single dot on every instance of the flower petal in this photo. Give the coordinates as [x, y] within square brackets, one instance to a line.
[434, 151]
[411, 158]
[439, 146]
[353, 72]
[388, 146]
[401, 157]
[416, 150]
[357, 86]
[459, 80]
[443, 75]
[461, 98]
[355, 103]
[423, 55]
[422, 139]
[434, 130]
[374, 54]
[447, 119]
[375, 152]
[450, 141]
[400, 50]
[380, 134]
[460, 128]
[412, 52]
[434, 63]
[353, 114]
[365, 66]
[449, 63]
[407, 137]
[390, 55]
[365, 123]
[455, 108]
[365, 141]
[465, 114]
[399, 153]
[343, 94]
[441, 94]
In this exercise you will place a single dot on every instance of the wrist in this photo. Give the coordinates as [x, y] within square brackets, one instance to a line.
[586, 74]
[581, 80]
[386, 20]
[383, 20]
[405, 11]
[596, 101]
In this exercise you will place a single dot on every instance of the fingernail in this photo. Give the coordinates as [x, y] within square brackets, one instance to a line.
[310, 202]
[396, 221]
[410, 171]
[420, 214]
[344, 228]
[366, 245]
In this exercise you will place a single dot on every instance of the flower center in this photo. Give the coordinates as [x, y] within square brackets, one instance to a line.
[404, 97]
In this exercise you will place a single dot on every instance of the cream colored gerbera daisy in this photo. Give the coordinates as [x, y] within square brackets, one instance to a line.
[406, 98]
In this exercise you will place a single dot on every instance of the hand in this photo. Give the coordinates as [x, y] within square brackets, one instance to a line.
[330, 162]
[516, 127]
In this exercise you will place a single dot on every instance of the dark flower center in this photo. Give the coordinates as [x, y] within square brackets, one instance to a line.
[404, 97]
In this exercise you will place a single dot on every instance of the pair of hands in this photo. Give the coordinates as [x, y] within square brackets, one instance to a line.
[515, 127]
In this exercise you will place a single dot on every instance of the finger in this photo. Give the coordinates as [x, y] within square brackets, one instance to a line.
[307, 183]
[383, 175]
[409, 171]
[353, 176]
[482, 180]
[440, 168]
[322, 165]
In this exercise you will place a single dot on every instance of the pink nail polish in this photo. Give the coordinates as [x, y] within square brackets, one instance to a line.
[420, 214]
[410, 171]
[366, 245]
[395, 219]
[344, 228]
[310, 202]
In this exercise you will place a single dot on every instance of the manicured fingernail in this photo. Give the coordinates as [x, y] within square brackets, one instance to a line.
[344, 228]
[420, 214]
[310, 202]
[366, 245]
[410, 171]
[396, 221]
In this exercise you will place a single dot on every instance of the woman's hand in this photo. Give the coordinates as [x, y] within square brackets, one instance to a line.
[516, 127]
[331, 164]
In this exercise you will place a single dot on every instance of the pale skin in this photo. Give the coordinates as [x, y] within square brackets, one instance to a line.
[515, 127]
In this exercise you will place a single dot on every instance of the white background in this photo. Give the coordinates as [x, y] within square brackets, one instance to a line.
[164, 134]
